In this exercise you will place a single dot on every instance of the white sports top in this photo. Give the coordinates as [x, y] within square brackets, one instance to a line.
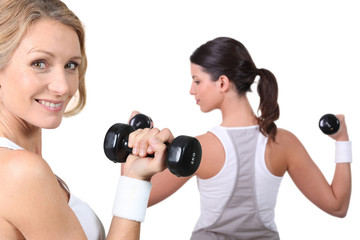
[215, 192]
[90, 223]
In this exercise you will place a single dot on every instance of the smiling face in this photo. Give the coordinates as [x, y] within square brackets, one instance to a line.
[42, 75]
[207, 93]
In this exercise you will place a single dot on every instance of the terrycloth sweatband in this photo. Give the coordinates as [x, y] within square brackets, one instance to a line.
[343, 152]
[131, 198]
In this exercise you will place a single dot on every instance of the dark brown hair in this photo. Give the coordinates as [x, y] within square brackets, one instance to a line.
[229, 57]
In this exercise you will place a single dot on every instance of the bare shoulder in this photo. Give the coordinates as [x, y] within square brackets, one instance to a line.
[22, 174]
[209, 144]
[21, 165]
[279, 152]
[207, 138]
[213, 155]
[285, 141]
[284, 136]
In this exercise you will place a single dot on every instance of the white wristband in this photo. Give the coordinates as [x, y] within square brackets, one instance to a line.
[131, 199]
[343, 152]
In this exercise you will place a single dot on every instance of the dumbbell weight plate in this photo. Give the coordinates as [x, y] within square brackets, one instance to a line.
[329, 124]
[184, 156]
[141, 121]
[115, 139]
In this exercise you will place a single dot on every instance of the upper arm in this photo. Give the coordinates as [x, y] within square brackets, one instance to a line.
[302, 169]
[164, 184]
[306, 174]
[212, 161]
[33, 202]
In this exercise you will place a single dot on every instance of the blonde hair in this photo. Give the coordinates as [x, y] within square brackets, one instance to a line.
[16, 16]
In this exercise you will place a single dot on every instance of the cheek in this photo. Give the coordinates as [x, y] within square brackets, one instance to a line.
[73, 86]
[11, 84]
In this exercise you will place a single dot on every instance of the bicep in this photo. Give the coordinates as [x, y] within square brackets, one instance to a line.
[307, 176]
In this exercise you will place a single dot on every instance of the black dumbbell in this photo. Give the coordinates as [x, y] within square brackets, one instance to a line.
[183, 158]
[329, 124]
[120, 132]
[141, 121]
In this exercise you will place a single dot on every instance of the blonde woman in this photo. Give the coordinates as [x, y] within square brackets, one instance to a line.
[42, 66]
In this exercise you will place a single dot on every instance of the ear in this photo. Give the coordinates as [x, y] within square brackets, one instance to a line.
[223, 83]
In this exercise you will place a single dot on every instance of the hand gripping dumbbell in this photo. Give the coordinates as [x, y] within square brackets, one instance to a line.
[329, 124]
[183, 156]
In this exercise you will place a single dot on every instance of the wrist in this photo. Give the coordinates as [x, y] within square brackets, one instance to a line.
[342, 138]
[134, 176]
[131, 199]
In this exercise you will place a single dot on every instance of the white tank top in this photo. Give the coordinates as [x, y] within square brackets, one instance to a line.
[216, 191]
[90, 223]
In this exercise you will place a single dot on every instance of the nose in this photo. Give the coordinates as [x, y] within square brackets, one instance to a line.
[192, 89]
[59, 83]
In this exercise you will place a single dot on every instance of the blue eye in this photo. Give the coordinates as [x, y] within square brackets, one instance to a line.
[72, 65]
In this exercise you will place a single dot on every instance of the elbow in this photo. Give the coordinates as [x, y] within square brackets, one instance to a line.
[338, 207]
[340, 212]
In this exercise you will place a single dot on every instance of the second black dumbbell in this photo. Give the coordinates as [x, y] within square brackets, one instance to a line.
[329, 124]
[184, 153]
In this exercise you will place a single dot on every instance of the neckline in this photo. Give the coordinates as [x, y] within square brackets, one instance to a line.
[240, 127]
[7, 143]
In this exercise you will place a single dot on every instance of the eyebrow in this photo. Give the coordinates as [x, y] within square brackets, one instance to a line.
[51, 54]
[40, 51]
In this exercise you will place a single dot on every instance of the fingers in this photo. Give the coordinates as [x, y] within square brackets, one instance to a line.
[157, 144]
[133, 114]
[139, 141]
[144, 142]
[149, 141]
[165, 136]
[341, 118]
[342, 133]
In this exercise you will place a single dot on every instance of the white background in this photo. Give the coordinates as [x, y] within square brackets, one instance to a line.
[138, 55]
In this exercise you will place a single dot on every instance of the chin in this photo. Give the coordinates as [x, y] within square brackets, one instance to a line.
[51, 125]
[206, 110]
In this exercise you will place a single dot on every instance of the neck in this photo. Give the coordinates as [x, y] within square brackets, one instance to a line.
[24, 135]
[237, 112]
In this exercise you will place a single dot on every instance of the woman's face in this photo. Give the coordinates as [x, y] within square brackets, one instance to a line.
[205, 91]
[42, 75]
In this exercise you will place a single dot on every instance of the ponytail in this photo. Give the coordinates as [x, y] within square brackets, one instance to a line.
[269, 107]
[229, 57]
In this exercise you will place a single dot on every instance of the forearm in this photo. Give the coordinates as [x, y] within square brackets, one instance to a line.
[341, 187]
[341, 184]
[123, 229]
